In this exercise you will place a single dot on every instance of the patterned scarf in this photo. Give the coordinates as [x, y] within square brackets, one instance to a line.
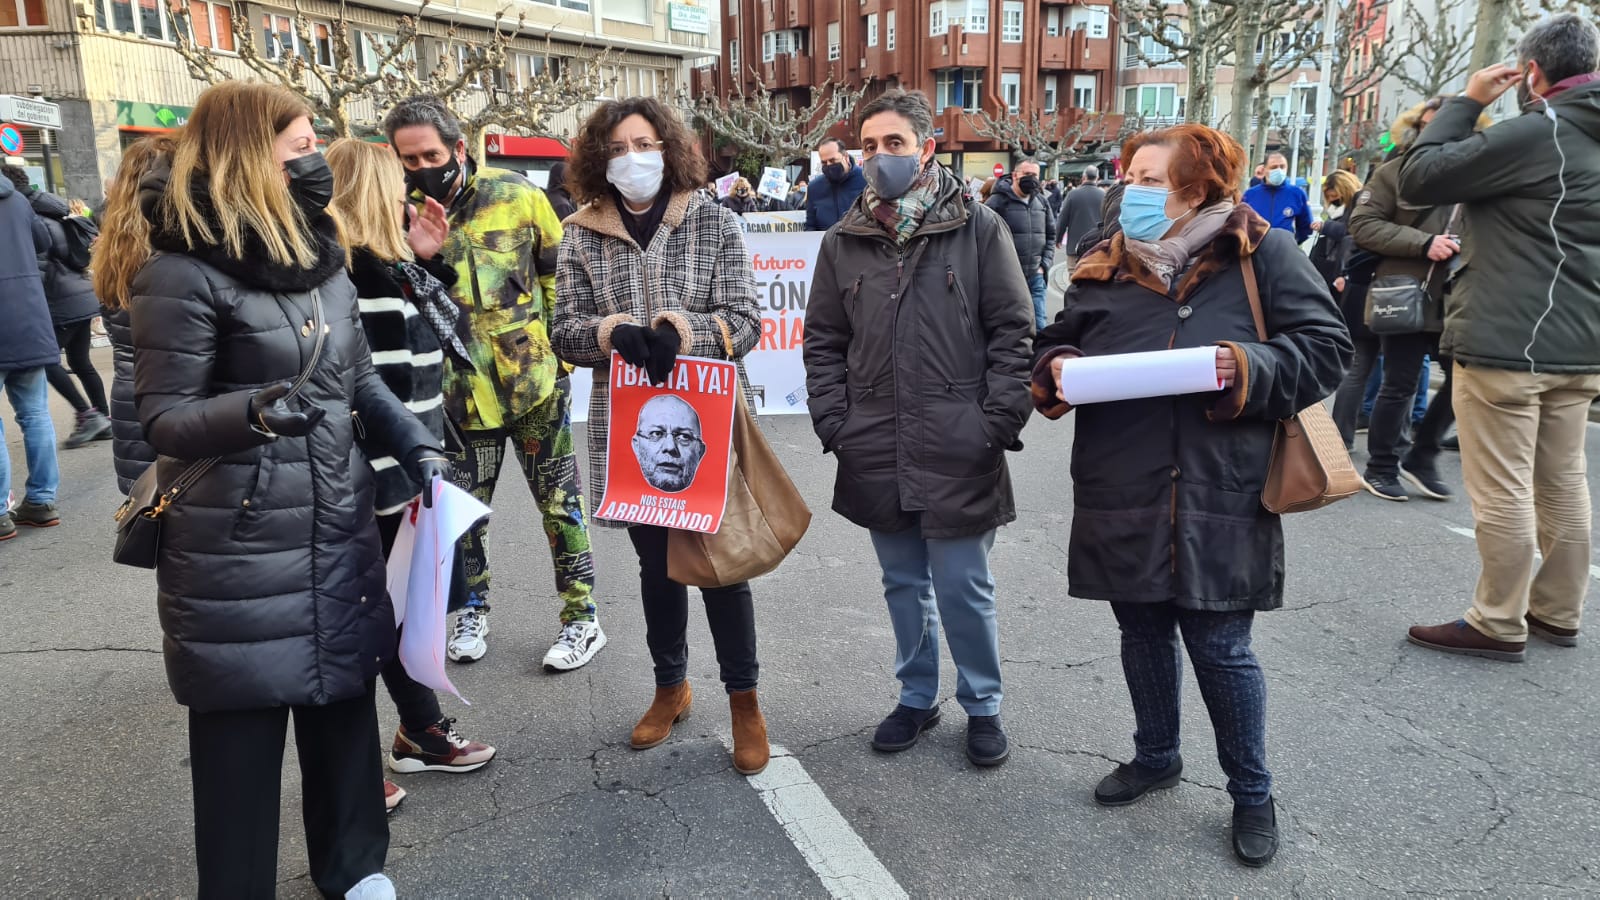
[1171, 256]
[902, 217]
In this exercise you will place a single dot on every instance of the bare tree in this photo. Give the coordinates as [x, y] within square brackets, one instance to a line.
[1040, 136]
[1355, 75]
[1199, 37]
[330, 86]
[768, 124]
[1272, 39]
[1429, 56]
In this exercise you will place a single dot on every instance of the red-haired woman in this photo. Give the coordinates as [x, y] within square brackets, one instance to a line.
[1167, 518]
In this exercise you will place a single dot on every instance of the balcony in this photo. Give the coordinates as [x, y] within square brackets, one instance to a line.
[957, 48]
[779, 71]
[1055, 52]
[1094, 53]
[799, 14]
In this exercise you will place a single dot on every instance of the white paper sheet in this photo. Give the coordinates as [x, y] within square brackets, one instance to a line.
[1131, 376]
[420, 566]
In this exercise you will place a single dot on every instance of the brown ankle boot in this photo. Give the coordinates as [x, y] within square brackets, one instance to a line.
[750, 750]
[670, 705]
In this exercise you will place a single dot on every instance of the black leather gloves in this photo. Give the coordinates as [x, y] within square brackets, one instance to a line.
[663, 340]
[632, 343]
[424, 464]
[270, 413]
[655, 350]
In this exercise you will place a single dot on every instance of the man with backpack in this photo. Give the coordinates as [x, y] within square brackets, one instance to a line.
[73, 308]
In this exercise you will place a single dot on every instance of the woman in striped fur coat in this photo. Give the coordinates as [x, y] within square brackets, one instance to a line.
[411, 323]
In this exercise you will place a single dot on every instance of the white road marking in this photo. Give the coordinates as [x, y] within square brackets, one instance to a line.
[1594, 571]
[843, 862]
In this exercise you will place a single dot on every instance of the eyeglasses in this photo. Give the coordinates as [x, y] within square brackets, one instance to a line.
[684, 439]
[640, 145]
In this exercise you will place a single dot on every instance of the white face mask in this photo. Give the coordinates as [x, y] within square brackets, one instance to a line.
[637, 176]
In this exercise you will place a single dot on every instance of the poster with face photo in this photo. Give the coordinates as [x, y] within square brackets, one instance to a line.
[668, 448]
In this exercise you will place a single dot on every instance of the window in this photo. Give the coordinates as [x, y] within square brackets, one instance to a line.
[1158, 53]
[972, 15]
[211, 24]
[1011, 22]
[1096, 20]
[872, 30]
[733, 7]
[977, 21]
[833, 41]
[733, 62]
[579, 5]
[888, 30]
[525, 68]
[1083, 90]
[369, 48]
[936, 23]
[1052, 21]
[150, 19]
[627, 10]
[23, 14]
[1050, 83]
[1011, 90]
[774, 44]
[958, 87]
[1152, 100]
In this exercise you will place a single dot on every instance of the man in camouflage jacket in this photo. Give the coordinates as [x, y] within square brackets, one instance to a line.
[502, 242]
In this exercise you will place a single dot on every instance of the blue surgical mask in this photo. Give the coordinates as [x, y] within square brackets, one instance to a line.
[1144, 213]
[1276, 177]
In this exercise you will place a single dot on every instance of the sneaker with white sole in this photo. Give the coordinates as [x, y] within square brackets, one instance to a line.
[469, 641]
[438, 748]
[1428, 484]
[577, 644]
[393, 795]
[372, 887]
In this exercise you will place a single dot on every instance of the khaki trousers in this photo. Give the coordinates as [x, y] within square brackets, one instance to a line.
[1522, 457]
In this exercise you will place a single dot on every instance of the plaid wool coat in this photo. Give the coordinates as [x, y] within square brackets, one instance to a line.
[695, 273]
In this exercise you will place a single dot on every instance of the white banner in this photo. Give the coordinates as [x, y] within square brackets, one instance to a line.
[783, 264]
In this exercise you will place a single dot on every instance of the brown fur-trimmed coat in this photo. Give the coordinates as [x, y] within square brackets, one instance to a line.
[1167, 490]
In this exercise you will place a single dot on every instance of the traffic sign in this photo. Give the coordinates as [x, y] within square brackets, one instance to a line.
[35, 113]
[999, 170]
[10, 140]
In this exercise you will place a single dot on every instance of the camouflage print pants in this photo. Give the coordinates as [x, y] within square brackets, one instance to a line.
[542, 441]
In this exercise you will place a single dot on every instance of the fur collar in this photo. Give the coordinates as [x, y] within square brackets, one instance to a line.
[1239, 238]
[603, 217]
[254, 268]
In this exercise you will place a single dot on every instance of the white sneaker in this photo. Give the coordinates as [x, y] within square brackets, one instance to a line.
[467, 642]
[577, 644]
[372, 887]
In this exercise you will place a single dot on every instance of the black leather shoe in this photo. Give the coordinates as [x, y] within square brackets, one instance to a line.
[901, 730]
[1255, 833]
[986, 741]
[1131, 781]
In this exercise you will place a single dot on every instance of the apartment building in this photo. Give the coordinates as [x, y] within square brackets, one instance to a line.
[112, 68]
[969, 56]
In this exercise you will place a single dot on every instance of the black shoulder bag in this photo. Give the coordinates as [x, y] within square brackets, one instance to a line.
[139, 517]
[1399, 303]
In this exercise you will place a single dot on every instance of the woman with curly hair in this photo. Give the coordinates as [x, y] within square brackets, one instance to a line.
[653, 268]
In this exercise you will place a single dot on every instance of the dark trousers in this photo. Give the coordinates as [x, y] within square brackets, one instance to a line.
[75, 341]
[1389, 440]
[417, 704]
[1231, 683]
[730, 611]
[1347, 402]
[236, 761]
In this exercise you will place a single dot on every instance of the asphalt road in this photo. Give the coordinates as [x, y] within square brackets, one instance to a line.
[1398, 770]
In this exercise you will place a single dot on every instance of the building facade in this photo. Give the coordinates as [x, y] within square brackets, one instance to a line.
[1003, 57]
[112, 67]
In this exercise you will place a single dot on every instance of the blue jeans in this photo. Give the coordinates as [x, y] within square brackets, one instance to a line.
[929, 581]
[1231, 683]
[1036, 286]
[1419, 406]
[26, 388]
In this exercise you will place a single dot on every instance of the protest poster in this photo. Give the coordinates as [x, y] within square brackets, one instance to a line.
[783, 264]
[725, 184]
[774, 184]
[668, 451]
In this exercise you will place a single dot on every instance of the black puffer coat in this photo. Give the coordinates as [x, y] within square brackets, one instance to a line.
[917, 367]
[1167, 490]
[270, 579]
[1033, 225]
[26, 339]
[130, 452]
[68, 289]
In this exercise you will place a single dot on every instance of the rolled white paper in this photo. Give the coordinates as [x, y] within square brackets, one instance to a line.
[1132, 376]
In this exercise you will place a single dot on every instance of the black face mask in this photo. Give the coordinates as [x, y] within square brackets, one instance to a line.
[310, 183]
[1030, 184]
[436, 182]
[835, 172]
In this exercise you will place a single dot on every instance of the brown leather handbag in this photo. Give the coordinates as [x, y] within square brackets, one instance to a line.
[1309, 468]
[764, 519]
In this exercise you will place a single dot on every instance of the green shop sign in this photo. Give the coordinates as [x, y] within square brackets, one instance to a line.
[151, 115]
